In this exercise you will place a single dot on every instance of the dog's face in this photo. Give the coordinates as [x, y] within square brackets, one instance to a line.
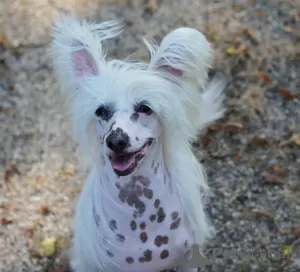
[131, 105]
[128, 131]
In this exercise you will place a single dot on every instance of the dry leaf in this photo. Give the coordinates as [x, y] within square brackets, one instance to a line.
[252, 36]
[258, 140]
[48, 247]
[263, 76]
[70, 172]
[9, 171]
[272, 179]
[3, 40]
[206, 140]
[286, 94]
[242, 49]
[230, 50]
[287, 29]
[214, 127]
[261, 213]
[287, 250]
[233, 125]
[237, 157]
[6, 220]
[45, 210]
[296, 231]
[152, 6]
[296, 139]
[276, 168]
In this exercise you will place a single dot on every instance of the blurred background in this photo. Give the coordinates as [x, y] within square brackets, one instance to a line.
[252, 155]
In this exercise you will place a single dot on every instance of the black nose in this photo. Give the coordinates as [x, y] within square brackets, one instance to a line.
[117, 140]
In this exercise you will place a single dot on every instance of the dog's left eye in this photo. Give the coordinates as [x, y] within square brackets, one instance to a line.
[145, 109]
[101, 111]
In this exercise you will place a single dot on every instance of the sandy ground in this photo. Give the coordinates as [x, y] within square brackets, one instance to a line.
[252, 155]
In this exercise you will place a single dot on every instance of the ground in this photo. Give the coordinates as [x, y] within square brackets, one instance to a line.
[252, 155]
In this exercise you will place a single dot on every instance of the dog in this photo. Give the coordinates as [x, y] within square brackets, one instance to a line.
[141, 207]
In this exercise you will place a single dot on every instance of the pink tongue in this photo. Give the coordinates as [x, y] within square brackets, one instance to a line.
[122, 165]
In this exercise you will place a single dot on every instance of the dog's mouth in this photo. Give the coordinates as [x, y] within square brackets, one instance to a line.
[125, 163]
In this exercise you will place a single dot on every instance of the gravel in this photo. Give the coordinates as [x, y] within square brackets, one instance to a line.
[40, 175]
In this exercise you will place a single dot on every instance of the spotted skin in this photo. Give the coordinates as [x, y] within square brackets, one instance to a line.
[152, 236]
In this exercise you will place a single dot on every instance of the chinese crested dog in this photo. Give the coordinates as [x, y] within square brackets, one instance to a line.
[141, 207]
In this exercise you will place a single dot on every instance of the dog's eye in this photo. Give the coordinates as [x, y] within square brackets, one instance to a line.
[101, 111]
[145, 109]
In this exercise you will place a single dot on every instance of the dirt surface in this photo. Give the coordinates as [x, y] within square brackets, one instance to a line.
[252, 155]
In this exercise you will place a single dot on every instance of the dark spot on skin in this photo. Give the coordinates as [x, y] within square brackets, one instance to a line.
[133, 225]
[148, 255]
[158, 241]
[156, 168]
[164, 254]
[148, 193]
[140, 205]
[160, 215]
[97, 217]
[156, 203]
[174, 215]
[137, 139]
[122, 195]
[121, 237]
[113, 224]
[142, 259]
[134, 179]
[142, 225]
[109, 253]
[139, 191]
[134, 117]
[129, 260]
[152, 217]
[130, 193]
[144, 237]
[144, 180]
[186, 243]
[165, 239]
[175, 224]
[112, 126]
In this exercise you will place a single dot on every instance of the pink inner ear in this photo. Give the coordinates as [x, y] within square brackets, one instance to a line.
[171, 70]
[83, 64]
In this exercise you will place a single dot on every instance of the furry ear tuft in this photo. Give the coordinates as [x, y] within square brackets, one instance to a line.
[183, 52]
[76, 48]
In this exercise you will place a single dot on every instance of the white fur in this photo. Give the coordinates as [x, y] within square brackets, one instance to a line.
[184, 106]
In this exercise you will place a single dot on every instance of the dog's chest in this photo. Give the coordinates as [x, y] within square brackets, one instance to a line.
[154, 234]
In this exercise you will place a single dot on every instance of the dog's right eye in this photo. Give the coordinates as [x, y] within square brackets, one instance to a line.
[100, 112]
[105, 112]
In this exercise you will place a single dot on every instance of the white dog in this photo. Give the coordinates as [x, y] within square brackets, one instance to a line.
[142, 205]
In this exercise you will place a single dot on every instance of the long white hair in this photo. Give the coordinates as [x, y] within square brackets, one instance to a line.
[186, 105]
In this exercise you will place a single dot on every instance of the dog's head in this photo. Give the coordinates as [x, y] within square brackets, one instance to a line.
[120, 110]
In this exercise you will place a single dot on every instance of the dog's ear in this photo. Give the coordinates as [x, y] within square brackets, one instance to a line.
[185, 52]
[76, 48]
